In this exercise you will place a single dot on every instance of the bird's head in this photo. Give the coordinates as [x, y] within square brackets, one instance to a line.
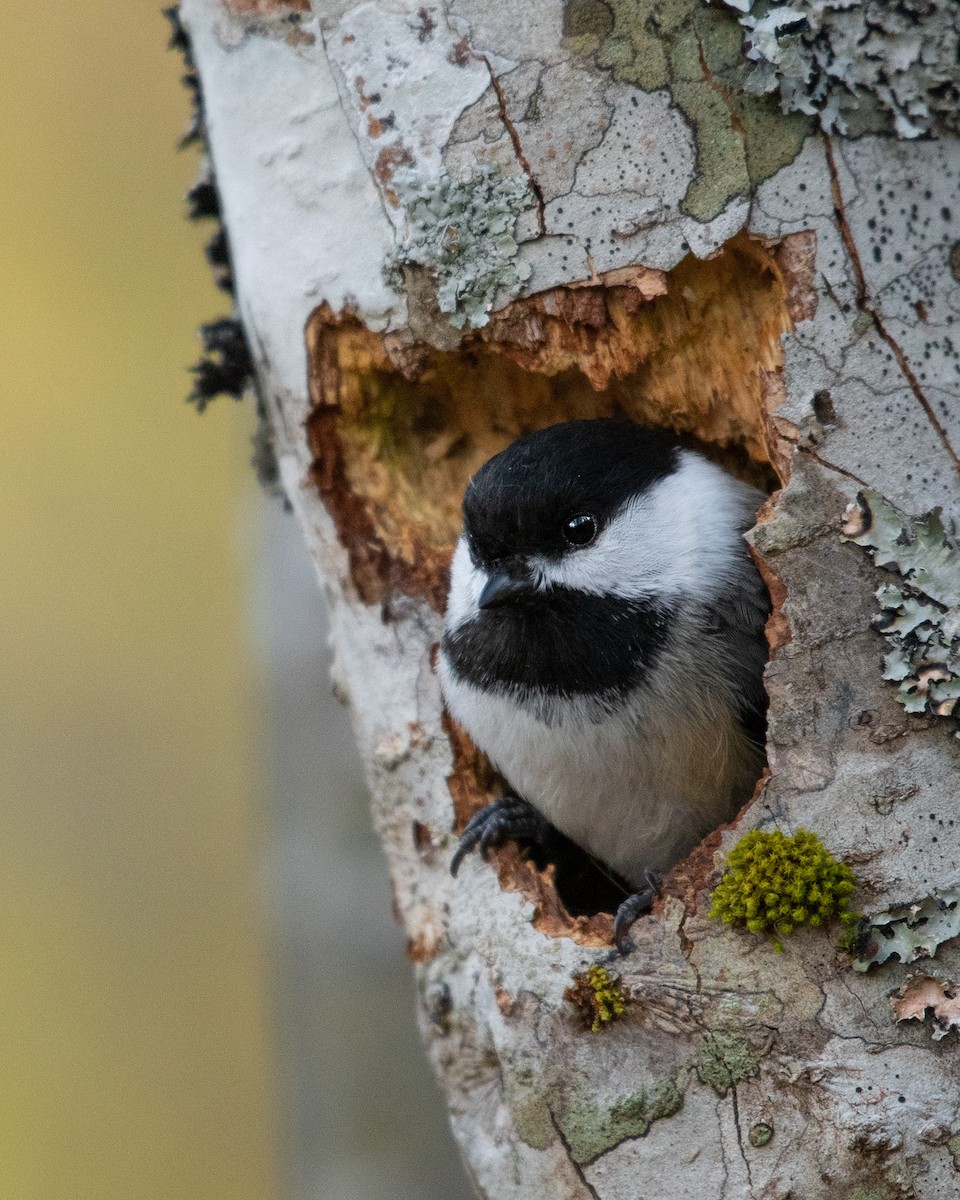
[564, 508]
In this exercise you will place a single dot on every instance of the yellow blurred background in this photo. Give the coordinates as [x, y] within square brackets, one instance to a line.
[135, 1058]
[191, 897]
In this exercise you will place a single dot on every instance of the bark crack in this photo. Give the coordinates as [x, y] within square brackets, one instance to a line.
[722, 1143]
[736, 123]
[578, 1170]
[509, 126]
[517, 145]
[832, 466]
[863, 1008]
[867, 306]
[736, 1121]
[687, 948]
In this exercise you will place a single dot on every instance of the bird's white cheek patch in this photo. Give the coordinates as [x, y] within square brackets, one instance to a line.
[466, 584]
[621, 562]
[680, 537]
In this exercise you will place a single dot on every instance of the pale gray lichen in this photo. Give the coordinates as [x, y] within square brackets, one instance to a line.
[859, 65]
[921, 611]
[463, 232]
[909, 931]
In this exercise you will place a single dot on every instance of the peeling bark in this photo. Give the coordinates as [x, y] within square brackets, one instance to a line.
[680, 252]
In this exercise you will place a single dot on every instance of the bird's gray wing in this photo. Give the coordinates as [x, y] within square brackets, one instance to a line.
[738, 618]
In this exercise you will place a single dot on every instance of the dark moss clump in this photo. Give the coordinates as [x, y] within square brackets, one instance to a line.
[226, 367]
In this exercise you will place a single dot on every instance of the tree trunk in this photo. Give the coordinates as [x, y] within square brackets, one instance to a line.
[451, 225]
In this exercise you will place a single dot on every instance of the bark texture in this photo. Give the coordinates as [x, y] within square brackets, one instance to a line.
[452, 224]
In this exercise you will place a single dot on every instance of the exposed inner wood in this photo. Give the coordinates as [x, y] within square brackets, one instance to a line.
[397, 427]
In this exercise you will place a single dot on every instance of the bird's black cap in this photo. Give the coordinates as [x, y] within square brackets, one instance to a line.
[517, 502]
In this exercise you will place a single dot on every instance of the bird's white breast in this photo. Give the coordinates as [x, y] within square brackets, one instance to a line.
[637, 788]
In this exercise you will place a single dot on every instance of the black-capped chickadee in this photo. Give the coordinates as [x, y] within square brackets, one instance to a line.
[604, 646]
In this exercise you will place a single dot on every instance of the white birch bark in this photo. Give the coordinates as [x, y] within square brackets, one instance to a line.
[756, 281]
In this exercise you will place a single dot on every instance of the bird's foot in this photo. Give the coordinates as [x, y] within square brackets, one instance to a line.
[503, 820]
[633, 907]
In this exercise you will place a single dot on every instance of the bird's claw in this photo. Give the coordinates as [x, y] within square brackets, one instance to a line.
[507, 818]
[633, 907]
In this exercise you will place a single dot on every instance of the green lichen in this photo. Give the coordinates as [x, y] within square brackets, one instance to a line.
[586, 19]
[774, 883]
[463, 232]
[723, 1059]
[920, 615]
[866, 67]
[694, 51]
[760, 1135]
[590, 1131]
[531, 1114]
[955, 261]
[598, 996]
[909, 931]
[953, 1145]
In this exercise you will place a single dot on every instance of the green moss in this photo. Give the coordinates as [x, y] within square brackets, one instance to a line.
[694, 51]
[598, 996]
[724, 1059]
[774, 883]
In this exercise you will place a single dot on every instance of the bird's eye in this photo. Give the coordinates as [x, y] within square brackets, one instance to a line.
[580, 530]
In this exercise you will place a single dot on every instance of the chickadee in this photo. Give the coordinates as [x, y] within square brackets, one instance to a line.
[604, 646]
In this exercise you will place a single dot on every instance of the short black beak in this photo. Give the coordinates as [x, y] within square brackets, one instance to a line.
[503, 588]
